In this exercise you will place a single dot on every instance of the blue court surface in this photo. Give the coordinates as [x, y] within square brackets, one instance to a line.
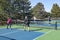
[15, 34]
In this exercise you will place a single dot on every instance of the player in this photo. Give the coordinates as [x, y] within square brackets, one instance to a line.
[27, 22]
[9, 21]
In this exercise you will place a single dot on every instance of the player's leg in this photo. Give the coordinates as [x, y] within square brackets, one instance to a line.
[28, 26]
[7, 26]
[25, 27]
[10, 25]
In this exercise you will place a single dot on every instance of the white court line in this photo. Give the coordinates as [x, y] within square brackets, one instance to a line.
[43, 34]
[9, 33]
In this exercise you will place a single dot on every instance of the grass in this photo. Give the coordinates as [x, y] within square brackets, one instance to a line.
[53, 35]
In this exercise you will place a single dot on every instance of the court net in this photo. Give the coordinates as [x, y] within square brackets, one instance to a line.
[43, 24]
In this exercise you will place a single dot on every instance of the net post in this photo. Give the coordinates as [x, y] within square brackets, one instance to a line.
[56, 25]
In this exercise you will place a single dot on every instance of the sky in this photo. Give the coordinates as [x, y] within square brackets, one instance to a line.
[47, 3]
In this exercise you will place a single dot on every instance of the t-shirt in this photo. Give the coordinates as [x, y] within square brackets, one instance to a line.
[9, 21]
[26, 21]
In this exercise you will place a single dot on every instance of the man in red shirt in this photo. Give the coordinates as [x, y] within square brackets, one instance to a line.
[9, 20]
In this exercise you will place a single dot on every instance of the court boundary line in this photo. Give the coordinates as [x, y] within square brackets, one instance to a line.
[9, 33]
[43, 34]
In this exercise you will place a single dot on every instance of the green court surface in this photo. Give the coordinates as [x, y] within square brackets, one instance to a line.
[50, 34]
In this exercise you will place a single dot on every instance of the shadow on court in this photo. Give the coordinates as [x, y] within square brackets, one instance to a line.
[37, 30]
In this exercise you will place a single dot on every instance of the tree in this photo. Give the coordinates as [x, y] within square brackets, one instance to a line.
[38, 11]
[55, 10]
[15, 7]
[22, 7]
[5, 5]
[3, 16]
[25, 8]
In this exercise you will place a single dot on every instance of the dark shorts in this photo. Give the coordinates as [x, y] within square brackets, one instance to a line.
[27, 24]
[49, 20]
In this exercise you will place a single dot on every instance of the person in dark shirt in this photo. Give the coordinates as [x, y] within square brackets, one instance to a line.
[56, 25]
[49, 20]
[26, 22]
